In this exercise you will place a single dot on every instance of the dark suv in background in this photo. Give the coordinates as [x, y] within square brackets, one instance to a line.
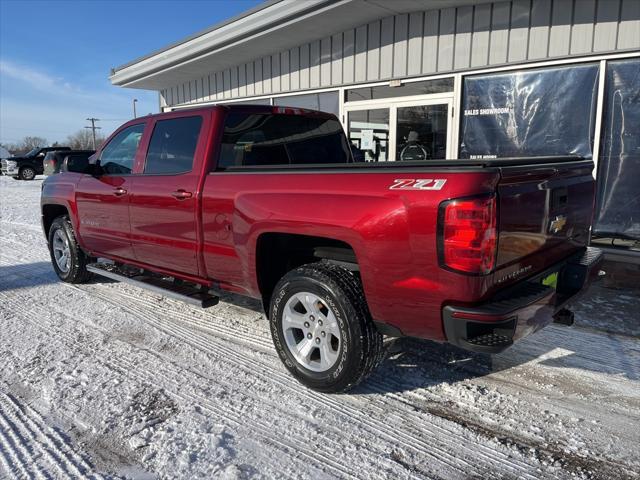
[26, 167]
[67, 161]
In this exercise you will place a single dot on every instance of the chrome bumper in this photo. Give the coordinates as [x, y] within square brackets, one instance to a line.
[9, 169]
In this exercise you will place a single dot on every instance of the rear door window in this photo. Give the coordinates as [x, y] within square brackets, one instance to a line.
[264, 139]
[118, 156]
[173, 145]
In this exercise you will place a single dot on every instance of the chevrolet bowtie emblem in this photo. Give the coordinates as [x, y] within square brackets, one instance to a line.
[557, 224]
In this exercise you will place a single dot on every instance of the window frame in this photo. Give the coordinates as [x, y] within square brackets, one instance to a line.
[152, 128]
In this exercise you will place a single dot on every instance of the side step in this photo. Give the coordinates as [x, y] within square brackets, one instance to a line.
[176, 290]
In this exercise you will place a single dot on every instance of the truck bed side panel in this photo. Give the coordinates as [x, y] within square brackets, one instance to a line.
[392, 231]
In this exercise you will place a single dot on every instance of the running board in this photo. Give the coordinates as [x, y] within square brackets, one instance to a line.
[185, 293]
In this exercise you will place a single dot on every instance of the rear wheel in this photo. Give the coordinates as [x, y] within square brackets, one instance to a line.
[322, 328]
[68, 259]
[27, 173]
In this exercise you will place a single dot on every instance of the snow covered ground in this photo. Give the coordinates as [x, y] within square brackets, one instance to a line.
[105, 380]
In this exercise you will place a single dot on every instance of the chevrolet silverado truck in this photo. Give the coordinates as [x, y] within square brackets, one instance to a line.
[28, 166]
[267, 202]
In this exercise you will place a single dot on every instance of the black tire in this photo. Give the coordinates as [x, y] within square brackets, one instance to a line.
[27, 173]
[77, 272]
[361, 348]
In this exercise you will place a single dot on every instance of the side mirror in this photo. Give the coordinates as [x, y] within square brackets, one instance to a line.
[94, 169]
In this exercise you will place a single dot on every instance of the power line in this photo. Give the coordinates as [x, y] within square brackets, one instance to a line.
[93, 129]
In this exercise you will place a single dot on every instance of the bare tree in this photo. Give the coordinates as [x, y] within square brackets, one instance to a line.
[29, 143]
[82, 140]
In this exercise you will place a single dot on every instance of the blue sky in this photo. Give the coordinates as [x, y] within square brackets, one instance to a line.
[55, 58]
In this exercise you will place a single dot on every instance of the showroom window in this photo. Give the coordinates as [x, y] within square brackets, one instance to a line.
[548, 111]
[618, 204]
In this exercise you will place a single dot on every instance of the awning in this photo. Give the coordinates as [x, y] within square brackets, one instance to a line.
[271, 27]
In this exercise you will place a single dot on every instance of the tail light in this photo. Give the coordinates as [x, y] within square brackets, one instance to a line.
[467, 234]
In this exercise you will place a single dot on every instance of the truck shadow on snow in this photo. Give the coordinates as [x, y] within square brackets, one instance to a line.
[413, 363]
[26, 275]
[29, 275]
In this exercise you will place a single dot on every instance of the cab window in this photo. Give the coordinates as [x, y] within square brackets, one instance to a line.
[265, 139]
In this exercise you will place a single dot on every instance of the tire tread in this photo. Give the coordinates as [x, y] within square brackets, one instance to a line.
[78, 272]
[340, 279]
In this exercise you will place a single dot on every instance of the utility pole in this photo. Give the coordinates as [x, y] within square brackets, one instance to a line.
[93, 129]
[134, 107]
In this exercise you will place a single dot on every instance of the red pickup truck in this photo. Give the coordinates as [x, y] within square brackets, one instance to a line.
[268, 202]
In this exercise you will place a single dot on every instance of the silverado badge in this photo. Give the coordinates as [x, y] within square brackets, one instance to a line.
[557, 224]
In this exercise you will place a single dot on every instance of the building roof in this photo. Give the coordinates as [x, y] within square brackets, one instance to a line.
[272, 26]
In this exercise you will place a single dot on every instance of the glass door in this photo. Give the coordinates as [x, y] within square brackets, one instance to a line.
[369, 134]
[410, 130]
[422, 132]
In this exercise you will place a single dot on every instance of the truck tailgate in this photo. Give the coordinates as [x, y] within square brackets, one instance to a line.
[544, 214]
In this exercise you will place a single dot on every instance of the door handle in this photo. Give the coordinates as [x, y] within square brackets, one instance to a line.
[118, 192]
[182, 194]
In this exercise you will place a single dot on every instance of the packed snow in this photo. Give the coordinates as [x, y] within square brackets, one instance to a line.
[106, 380]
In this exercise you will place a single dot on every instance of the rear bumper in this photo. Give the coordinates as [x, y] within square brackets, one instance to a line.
[522, 309]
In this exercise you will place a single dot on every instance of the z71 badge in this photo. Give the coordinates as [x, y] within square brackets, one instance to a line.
[418, 184]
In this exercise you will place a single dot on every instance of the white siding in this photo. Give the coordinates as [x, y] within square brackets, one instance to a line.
[426, 42]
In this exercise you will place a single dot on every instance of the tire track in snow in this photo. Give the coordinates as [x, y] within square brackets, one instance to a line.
[435, 456]
[386, 429]
[48, 439]
[133, 370]
[33, 435]
[439, 454]
[383, 428]
[441, 410]
[14, 453]
[267, 373]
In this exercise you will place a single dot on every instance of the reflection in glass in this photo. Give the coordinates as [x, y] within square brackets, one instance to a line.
[424, 87]
[422, 132]
[618, 202]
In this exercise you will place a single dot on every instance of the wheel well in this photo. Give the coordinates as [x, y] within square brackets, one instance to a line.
[49, 214]
[278, 253]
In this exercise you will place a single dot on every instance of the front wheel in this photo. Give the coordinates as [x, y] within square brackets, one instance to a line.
[68, 259]
[27, 173]
[322, 329]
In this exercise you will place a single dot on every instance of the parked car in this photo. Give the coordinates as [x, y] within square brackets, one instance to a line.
[4, 153]
[267, 202]
[28, 166]
[56, 161]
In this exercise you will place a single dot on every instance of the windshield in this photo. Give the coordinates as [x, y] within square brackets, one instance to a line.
[33, 152]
